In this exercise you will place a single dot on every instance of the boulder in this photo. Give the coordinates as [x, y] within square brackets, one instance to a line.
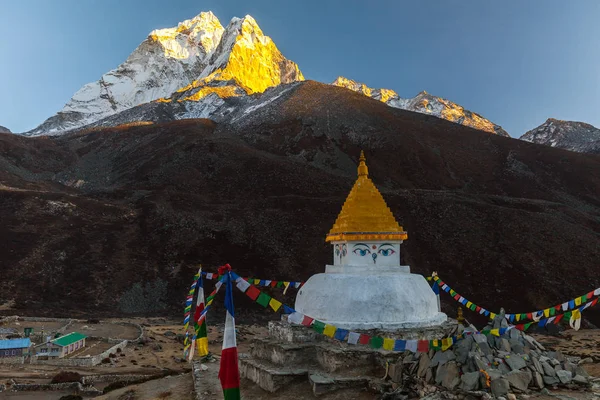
[500, 387]
[518, 379]
[424, 364]
[581, 380]
[548, 370]
[551, 380]
[537, 365]
[564, 376]
[538, 380]
[470, 381]
[448, 375]
[515, 362]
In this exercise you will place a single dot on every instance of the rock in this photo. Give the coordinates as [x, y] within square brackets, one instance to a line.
[511, 396]
[569, 366]
[581, 371]
[581, 380]
[504, 368]
[587, 360]
[518, 348]
[550, 380]
[538, 380]
[548, 370]
[504, 345]
[518, 379]
[429, 376]
[537, 365]
[424, 364]
[462, 349]
[500, 387]
[442, 357]
[448, 375]
[470, 381]
[515, 362]
[564, 376]
[395, 372]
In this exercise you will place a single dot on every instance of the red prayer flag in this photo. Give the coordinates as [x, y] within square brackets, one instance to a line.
[558, 307]
[253, 292]
[457, 296]
[594, 302]
[273, 283]
[364, 339]
[590, 295]
[520, 327]
[307, 321]
[423, 346]
[557, 319]
[477, 308]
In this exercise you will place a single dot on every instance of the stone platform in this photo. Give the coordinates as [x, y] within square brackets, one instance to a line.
[293, 353]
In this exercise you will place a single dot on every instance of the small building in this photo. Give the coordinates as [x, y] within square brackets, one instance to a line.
[14, 347]
[60, 347]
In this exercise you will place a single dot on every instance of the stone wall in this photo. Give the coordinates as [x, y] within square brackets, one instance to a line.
[91, 379]
[12, 360]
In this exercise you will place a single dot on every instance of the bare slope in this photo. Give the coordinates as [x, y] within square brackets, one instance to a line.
[94, 220]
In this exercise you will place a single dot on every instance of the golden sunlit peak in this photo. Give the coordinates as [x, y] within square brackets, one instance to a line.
[365, 215]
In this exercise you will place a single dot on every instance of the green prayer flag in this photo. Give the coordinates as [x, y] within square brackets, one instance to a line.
[473, 307]
[319, 326]
[526, 326]
[279, 284]
[376, 342]
[263, 299]
[552, 311]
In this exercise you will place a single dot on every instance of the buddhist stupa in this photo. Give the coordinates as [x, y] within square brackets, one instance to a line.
[366, 287]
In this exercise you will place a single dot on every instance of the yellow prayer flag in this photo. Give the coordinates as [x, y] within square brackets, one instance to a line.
[257, 281]
[495, 332]
[446, 343]
[518, 317]
[492, 315]
[329, 330]
[286, 284]
[578, 301]
[547, 312]
[202, 345]
[274, 304]
[469, 304]
[185, 327]
[575, 314]
[436, 343]
[388, 344]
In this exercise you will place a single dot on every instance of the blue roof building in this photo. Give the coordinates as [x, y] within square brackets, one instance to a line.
[14, 347]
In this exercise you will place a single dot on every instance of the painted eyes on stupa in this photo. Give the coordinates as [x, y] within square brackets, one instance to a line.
[386, 252]
[362, 252]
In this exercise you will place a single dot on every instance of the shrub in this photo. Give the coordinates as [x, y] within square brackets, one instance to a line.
[66, 376]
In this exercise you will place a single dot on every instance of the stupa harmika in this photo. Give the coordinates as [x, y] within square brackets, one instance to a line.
[366, 287]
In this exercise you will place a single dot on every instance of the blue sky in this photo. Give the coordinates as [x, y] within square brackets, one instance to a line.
[516, 63]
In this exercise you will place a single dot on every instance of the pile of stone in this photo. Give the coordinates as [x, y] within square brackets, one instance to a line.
[481, 364]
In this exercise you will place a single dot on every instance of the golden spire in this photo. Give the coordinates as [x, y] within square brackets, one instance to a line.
[365, 215]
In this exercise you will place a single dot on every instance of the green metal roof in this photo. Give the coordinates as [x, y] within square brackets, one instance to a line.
[69, 339]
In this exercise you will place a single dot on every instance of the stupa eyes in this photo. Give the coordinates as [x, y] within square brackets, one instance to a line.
[386, 250]
[361, 249]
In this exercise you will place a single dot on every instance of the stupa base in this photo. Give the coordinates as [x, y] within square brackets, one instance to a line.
[386, 301]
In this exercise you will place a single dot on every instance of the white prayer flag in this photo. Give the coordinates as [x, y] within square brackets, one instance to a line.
[353, 338]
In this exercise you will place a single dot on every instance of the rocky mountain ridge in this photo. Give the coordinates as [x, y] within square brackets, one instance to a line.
[425, 103]
[4, 129]
[569, 135]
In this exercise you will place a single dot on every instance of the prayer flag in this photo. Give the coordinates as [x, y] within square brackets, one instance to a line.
[263, 299]
[318, 326]
[388, 344]
[329, 330]
[275, 304]
[295, 318]
[376, 342]
[411, 345]
[307, 321]
[253, 292]
[364, 339]
[229, 374]
[400, 345]
[201, 334]
[353, 337]
[423, 346]
[340, 334]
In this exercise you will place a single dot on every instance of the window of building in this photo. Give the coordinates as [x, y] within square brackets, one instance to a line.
[6, 353]
[13, 352]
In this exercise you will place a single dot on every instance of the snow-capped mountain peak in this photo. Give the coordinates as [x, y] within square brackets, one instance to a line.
[198, 36]
[194, 60]
[569, 135]
[424, 103]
